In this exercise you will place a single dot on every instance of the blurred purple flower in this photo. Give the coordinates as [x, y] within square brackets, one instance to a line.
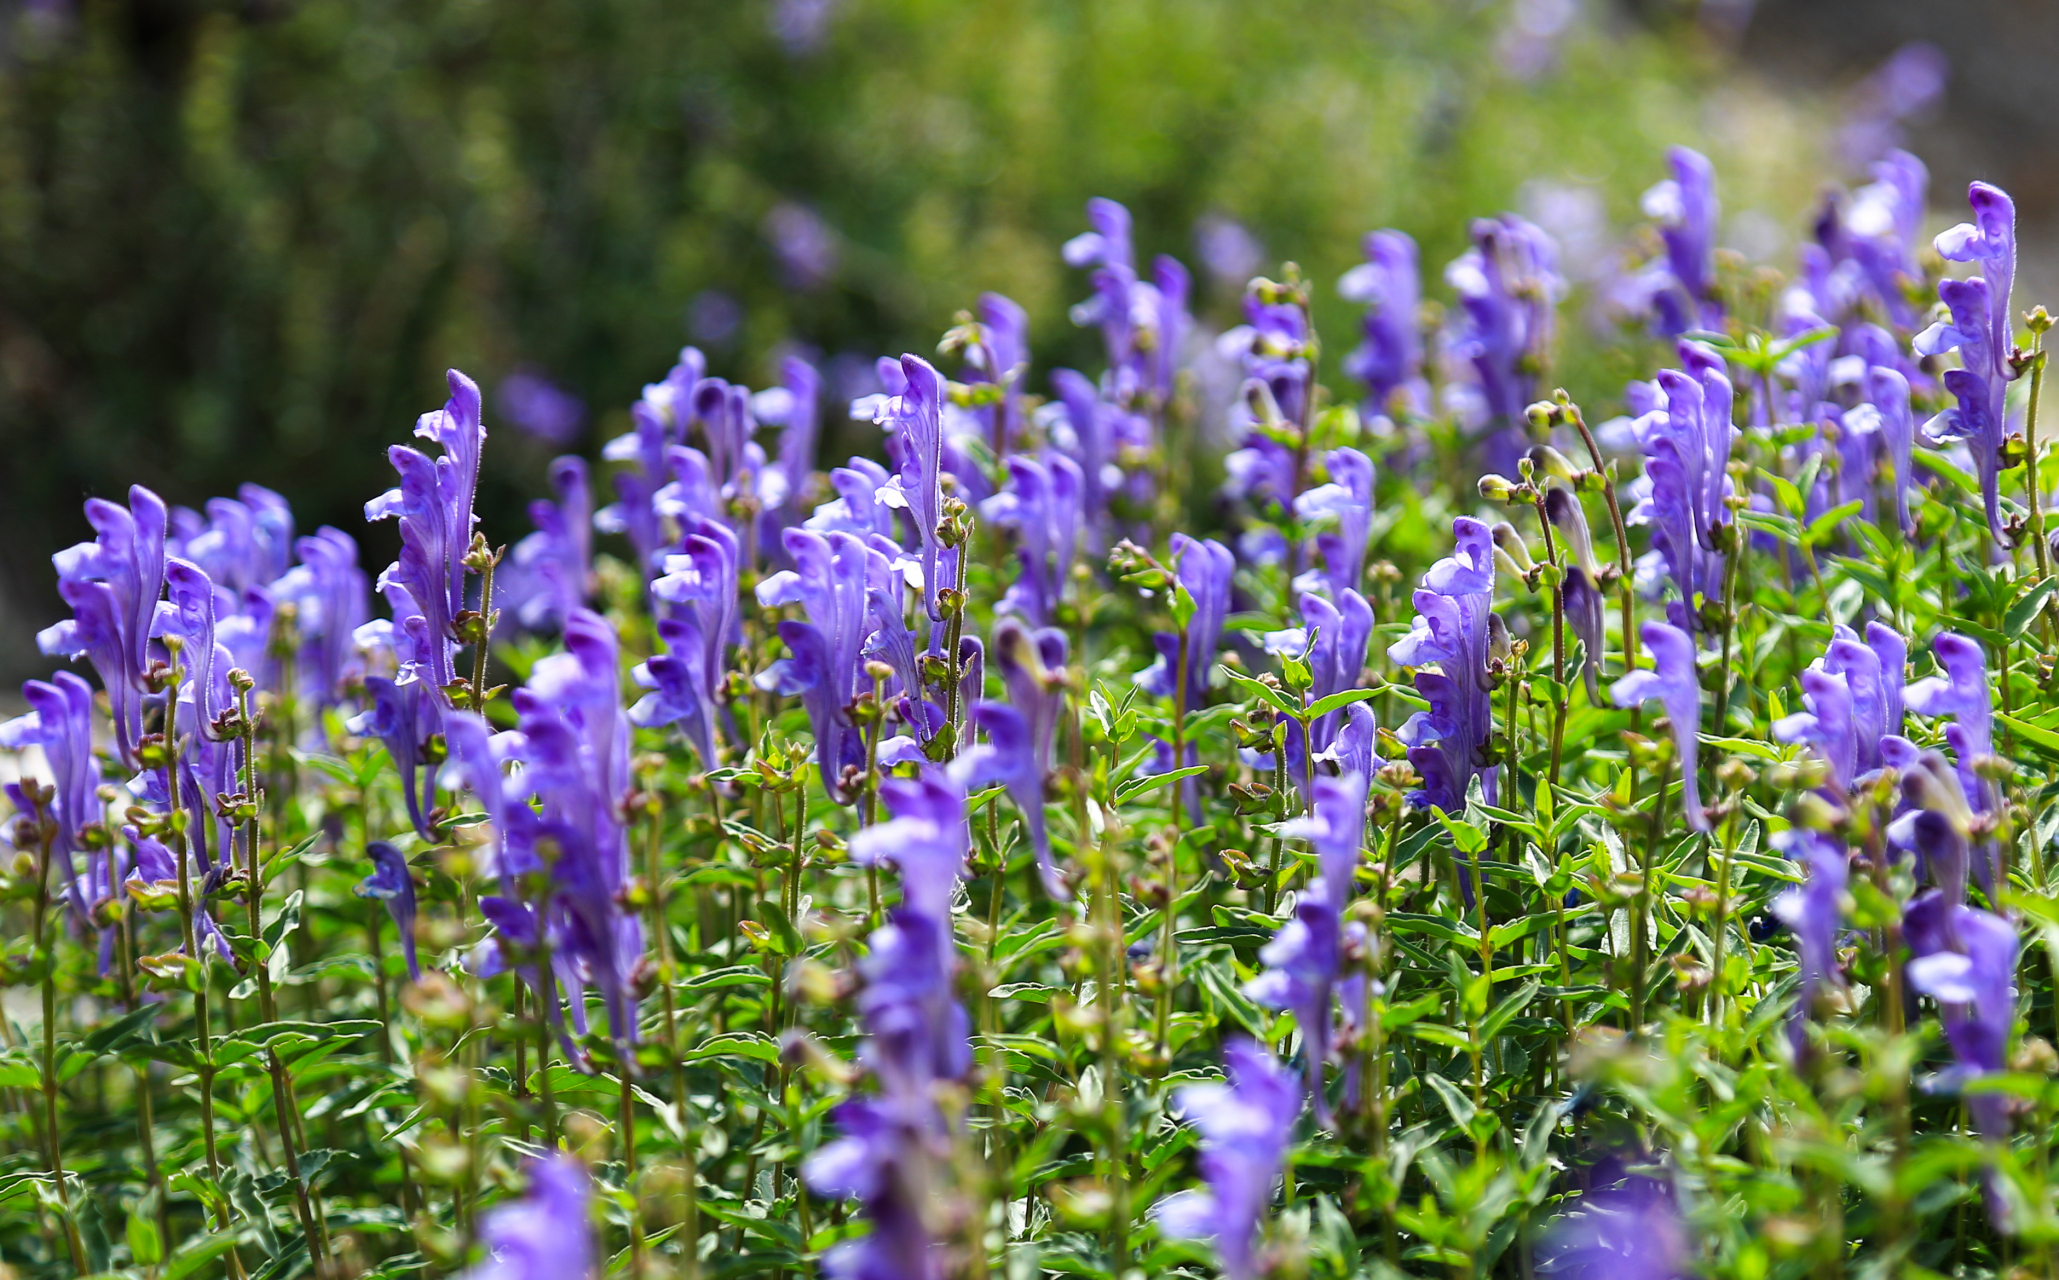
[1828, 724]
[1042, 507]
[1246, 1125]
[1961, 692]
[1676, 684]
[1348, 500]
[391, 883]
[538, 407]
[1390, 359]
[1629, 1231]
[1682, 287]
[1811, 911]
[60, 721]
[1021, 733]
[547, 1234]
[1965, 959]
[1227, 249]
[1204, 568]
[331, 598]
[802, 25]
[1912, 78]
[803, 243]
[915, 414]
[1583, 590]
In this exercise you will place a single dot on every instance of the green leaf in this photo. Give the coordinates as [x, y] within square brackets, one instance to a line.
[1337, 701]
[1510, 1006]
[2026, 609]
[1936, 462]
[736, 1044]
[1829, 521]
[1138, 786]
[2043, 739]
[1264, 692]
[1438, 1033]
[144, 1244]
[1461, 1107]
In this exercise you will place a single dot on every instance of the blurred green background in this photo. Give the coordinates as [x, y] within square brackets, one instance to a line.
[242, 241]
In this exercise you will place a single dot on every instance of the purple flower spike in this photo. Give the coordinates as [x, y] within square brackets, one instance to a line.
[1687, 452]
[1811, 911]
[540, 408]
[1447, 744]
[1204, 568]
[546, 1235]
[829, 581]
[1676, 684]
[391, 884]
[1509, 285]
[60, 720]
[1961, 693]
[1245, 1127]
[1888, 390]
[1583, 593]
[1020, 736]
[553, 564]
[1829, 724]
[332, 598]
[1348, 499]
[1303, 961]
[1982, 329]
[112, 585]
[926, 838]
[1965, 959]
[404, 715]
[916, 416]
[1630, 1231]
[1686, 210]
[434, 503]
[1390, 360]
[883, 1160]
[1334, 638]
[1042, 506]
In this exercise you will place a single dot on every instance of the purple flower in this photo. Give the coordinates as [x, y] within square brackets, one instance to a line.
[795, 407]
[112, 585]
[1303, 960]
[1582, 590]
[883, 1158]
[1873, 671]
[404, 715]
[1687, 452]
[1888, 391]
[553, 564]
[1021, 735]
[1092, 444]
[857, 508]
[1348, 499]
[60, 720]
[1965, 959]
[1042, 506]
[434, 503]
[1961, 693]
[1508, 286]
[1827, 725]
[1005, 327]
[540, 408]
[331, 598]
[1143, 323]
[916, 416]
[1245, 1127]
[1454, 607]
[1811, 910]
[1684, 206]
[804, 244]
[1630, 1231]
[1332, 640]
[1226, 247]
[1881, 230]
[391, 883]
[1390, 359]
[1982, 330]
[826, 653]
[575, 765]
[1676, 684]
[1204, 569]
[546, 1235]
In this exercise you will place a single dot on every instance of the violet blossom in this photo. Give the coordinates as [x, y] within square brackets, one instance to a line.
[1042, 507]
[1331, 641]
[1961, 692]
[1448, 744]
[434, 504]
[538, 407]
[1965, 959]
[553, 565]
[331, 597]
[1203, 567]
[1305, 958]
[1687, 455]
[547, 1234]
[1581, 589]
[1508, 286]
[1347, 498]
[1628, 1231]
[1246, 1125]
[391, 883]
[1390, 359]
[916, 416]
[1683, 285]
[1811, 910]
[826, 652]
[1021, 734]
[1675, 683]
[1982, 330]
[60, 721]
[112, 585]
[700, 583]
